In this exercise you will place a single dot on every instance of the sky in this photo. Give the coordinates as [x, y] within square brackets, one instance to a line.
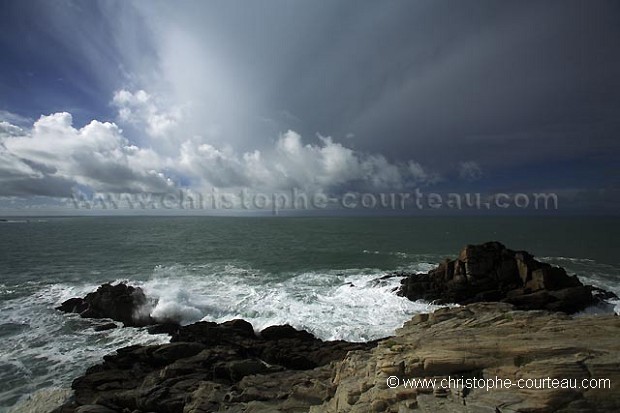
[329, 97]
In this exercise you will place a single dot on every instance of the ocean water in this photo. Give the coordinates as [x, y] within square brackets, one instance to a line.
[319, 274]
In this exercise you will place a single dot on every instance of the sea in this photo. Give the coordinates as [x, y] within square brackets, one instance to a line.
[321, 274]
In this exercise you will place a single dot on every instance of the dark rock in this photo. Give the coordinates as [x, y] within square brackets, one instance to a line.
[73, 305]
[119, 302]
[238, 369]
[492, 272]
[215, 366]
[285, 331]
[603, 294]
[210, 333]
[168, 353]
[164, 328]
[241, 327]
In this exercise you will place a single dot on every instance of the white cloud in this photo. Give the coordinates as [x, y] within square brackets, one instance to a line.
[7, 129]
[327, 166]
[470, 171]
[142, 109]
[96, 156]
[53, 158]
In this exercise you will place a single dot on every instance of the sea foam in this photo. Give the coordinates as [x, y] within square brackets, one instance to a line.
[352, 304]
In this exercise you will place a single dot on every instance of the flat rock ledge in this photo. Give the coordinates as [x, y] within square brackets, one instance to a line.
[484, 341]
[491, 272]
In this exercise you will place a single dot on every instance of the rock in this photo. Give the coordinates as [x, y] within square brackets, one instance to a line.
[492, 272]
[215, 367]
[210, 333]
[484, 341]
[285, 331]
[167, 353]
[73, 305]
[164, 328]
[241, 368]
[210, 367]
[241, 326]
[119, 302]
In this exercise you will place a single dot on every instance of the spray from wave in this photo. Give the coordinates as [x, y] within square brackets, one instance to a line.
[353, 305]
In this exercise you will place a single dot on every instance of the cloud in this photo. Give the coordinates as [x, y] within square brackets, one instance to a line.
[142, 110]
[515, 87]
[7, 129]
[522, 74]
[469, 171]
[327, 166]
[13, 118]
[53, 157]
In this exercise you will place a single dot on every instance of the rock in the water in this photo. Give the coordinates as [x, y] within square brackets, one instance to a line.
[164, 328]
[73, 305]
[119, 302]
[492, 272]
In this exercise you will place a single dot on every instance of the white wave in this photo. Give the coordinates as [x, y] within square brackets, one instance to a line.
[398, 254]
[571, 259]
[609, 307]
[42, 401]
[351, 305]
[43, 348]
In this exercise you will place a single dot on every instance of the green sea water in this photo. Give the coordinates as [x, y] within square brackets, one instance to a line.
[99, 248]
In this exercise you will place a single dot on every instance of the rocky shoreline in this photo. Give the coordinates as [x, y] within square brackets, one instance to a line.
[514, 324]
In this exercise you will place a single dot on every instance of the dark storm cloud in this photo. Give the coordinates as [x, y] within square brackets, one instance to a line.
[450, 80]
[439, 80]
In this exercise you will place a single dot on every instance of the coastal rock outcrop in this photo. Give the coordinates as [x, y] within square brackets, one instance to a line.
[492, 272]
[120, 302]
[215, 367]
[554, 363]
